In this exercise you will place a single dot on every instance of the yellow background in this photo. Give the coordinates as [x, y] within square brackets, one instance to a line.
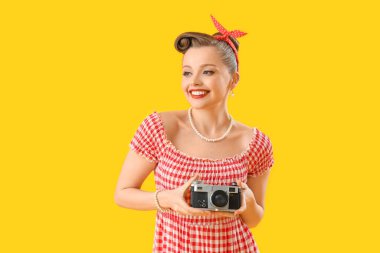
[78, 77]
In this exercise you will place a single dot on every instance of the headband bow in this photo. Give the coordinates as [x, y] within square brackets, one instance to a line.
[225, 34]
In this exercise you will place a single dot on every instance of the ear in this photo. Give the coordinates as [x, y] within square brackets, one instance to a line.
[235, 79]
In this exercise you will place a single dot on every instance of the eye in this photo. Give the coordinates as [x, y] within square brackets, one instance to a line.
[185, 73]
[209, 71]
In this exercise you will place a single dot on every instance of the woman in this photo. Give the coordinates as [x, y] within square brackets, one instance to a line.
[202, 143]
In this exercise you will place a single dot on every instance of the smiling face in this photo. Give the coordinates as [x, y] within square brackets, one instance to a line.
[203, 69]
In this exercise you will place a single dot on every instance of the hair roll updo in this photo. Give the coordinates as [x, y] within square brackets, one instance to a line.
[195, 39]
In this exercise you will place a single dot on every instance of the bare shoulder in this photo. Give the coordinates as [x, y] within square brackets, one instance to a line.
[242, 126]
[171, 117]
[172, 121]
[246, 132]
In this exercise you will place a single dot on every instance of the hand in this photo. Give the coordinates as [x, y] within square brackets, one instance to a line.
[175, 199]
[246, 193]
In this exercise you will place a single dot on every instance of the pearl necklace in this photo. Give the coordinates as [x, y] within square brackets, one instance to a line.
[205, 138]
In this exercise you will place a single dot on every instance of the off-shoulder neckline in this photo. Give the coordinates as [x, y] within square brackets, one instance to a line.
[237, 156]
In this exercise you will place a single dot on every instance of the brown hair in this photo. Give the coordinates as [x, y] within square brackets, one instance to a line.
[195, 39]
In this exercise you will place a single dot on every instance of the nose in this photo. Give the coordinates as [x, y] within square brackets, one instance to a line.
[196, 79]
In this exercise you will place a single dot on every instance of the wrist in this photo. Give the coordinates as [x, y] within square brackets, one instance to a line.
[163, 199]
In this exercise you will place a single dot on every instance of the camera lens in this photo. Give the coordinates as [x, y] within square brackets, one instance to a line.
[219, 198]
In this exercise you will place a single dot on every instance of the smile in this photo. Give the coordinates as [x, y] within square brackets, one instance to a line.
[198, 94]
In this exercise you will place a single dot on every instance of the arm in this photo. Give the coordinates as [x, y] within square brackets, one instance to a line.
[254, 211]
[134, 171]
[128, 194]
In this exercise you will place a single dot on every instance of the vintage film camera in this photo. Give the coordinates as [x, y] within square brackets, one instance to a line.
[215, 197]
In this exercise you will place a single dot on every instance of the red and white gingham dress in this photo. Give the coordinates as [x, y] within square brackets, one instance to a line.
[175, 232]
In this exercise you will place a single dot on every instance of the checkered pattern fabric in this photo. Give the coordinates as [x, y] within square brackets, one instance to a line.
[175, 232]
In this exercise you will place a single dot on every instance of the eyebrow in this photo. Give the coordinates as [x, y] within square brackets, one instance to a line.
[207, 64]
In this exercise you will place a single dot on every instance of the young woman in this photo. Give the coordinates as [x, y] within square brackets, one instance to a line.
[203, 143]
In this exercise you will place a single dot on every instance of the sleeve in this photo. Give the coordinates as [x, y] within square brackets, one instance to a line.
[260, 157]
[145, 140]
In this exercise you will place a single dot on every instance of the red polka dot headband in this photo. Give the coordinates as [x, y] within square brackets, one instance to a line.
[225, 33]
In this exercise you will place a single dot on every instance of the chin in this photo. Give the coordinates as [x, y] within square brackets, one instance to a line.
[199, 106]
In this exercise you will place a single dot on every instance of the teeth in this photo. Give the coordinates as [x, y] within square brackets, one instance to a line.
[198, 92]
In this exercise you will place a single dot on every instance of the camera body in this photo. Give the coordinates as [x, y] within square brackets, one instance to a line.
[215, 197]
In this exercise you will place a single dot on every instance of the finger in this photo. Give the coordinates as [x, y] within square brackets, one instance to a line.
[224, 214]
[192, 210]
[181, 211]
[188, 183]
[243, 206]
[240, 210]
[241, 184]
[244, 185]
[187, 196]
[196, 211]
